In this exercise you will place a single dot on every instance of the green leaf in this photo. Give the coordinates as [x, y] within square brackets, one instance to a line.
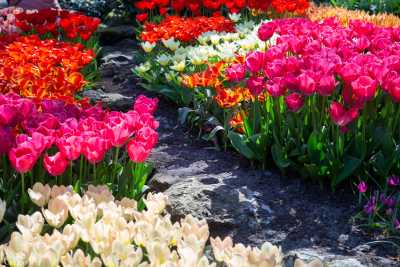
[279, 156]
[214, 132]
[239, 143]
[183, 113]
[351, 164]
[315, 148]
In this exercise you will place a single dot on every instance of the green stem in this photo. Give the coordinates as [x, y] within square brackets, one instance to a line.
[115, 161]
[80, 170]
[94, 174]
[70, 173]
[22, 184]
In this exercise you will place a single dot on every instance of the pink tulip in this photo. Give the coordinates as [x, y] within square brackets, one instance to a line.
[326, 85]
[294, 102]
[275, 89]
[70, 147]
[340, 116]
[362, 187]
[144, 104]
[395, 92]
[93, 148]
[137, 151]
[23, 158]
[255, 61]
[7, 140]
[307, 84]
[275, 69]
[148, 137]
[364, 88]
[8, 115]
[256, 85]
[148, 120]
[55, 165]
[350, 72]
[266, 31]
[235, 72]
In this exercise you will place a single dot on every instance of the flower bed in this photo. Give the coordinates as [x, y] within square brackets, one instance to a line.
[317, 13]
[45, 68]
[317, 98]
[51, 138]
[50, 64]
[97, 230]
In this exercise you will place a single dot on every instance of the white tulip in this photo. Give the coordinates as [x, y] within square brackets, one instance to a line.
[235, 17]
[40, 194]
[147, 46]
[3, 206]
[171, 44]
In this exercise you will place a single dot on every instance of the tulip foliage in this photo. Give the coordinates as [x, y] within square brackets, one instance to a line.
[55, 142]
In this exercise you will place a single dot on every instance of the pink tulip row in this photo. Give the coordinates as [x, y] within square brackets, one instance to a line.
[325, 58]
[30, 129]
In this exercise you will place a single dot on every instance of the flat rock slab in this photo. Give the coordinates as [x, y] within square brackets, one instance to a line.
[253, 206]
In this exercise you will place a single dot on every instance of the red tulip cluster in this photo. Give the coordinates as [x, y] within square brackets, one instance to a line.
[315, 58]
[185, 29]
[38, 68]
[29, 130]
[215, 6]
[53, 21]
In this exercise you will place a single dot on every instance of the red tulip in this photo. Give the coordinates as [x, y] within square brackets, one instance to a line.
[340, 116]
[294, 102]
[23, 157]
[137, 151]
[141, 17]
[55, 165]
[364, 88]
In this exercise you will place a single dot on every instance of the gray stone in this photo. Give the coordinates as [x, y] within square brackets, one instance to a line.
[346, 263]
[112, 34]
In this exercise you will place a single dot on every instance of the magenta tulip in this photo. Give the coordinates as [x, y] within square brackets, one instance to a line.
[294, 102]
[364, 88]
[235, 72]
[256, 85]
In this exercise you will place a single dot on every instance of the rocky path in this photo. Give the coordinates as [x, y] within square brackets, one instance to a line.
[251, 205]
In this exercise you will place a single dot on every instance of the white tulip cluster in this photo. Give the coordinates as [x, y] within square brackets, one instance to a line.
[96, 230]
